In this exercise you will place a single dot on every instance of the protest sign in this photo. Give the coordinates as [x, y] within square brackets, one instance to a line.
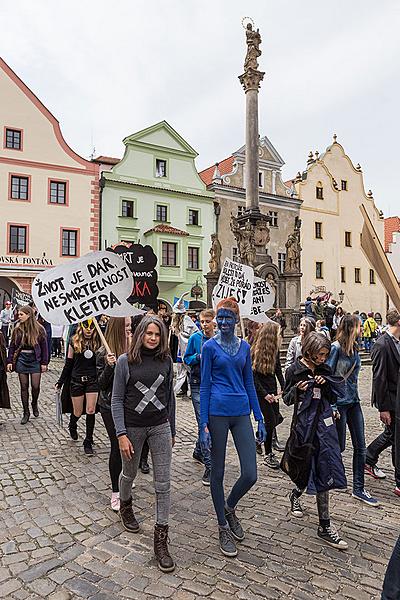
[97, 283]
[19, 298]
[235, 280]
[142, 262]
[263, 300]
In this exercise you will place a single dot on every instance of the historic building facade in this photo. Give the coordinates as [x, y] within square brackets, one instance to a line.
[155, 196]
[392, 243]
[277, 200]
[331, 190]
[49, 200]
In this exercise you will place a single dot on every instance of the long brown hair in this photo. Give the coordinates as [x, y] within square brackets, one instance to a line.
[346, 334]
[135, 350]
[265, 348]
[115, 335]
[31, 331]
[80, 343]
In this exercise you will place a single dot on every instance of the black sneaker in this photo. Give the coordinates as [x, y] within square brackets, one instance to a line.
[234, 524]
[259, 448]
[205, 480]
[144, 467]
[88, 448]
[226, 542]
[331, 537]
[295, 506]
[198, 457]
[271, 461]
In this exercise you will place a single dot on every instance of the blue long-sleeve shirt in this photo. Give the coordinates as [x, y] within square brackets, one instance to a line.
[227, 385]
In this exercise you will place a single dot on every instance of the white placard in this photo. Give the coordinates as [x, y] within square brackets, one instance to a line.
[263, 300]
[97, 283]
[235, 280]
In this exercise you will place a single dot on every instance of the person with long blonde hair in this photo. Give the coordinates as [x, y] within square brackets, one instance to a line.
[80, 371]
[267, 371]
[28, 356]
[118, 335]
[345, 362]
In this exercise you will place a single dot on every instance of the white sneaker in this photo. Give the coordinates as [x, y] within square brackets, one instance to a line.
[115, 503]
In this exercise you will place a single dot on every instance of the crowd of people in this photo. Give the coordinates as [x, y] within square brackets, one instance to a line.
[128, 376]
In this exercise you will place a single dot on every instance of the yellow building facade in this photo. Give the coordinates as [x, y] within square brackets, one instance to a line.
[331, 190]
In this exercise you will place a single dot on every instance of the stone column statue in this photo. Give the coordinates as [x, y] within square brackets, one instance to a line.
[215, 254]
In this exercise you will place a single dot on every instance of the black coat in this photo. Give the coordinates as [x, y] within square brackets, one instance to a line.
[4, 393]
[385, 374]
[105, 379]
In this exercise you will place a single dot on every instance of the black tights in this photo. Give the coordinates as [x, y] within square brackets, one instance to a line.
[114, 462]
[35, 387]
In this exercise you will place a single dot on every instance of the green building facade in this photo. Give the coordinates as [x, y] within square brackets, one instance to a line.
[155, 196]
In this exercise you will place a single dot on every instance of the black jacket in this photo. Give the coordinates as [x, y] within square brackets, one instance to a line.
[385, 374]
[105, 379]
[299, 372]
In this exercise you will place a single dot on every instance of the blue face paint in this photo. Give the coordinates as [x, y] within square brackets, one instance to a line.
[226, 321]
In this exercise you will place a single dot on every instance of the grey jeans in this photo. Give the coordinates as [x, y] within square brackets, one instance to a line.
[160, 443]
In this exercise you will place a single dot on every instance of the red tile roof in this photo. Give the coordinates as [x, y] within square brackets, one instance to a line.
[166, 229]
[225, 167]
[106, 160]
[392, 224]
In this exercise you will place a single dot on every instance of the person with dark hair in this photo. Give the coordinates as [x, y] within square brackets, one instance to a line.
[309, 308]
[370, 332]
[79, 381]
[192, 359]
[28, 355]
[309, 385]
[386, 397]
[294, 350]
[5, 320]
[144, 457]
[337, 317]
[117, 335]
[227, 397]
[143, 408]
[345, 362]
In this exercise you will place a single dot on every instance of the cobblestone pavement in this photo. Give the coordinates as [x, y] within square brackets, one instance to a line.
[59, 539]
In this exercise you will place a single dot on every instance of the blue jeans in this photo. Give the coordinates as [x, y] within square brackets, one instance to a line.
[351, 415]
[391, 584]
[243, 437]
[195, 390]
[368, 343]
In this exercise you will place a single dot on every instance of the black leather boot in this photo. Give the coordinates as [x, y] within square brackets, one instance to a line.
[164, 559]
[26, 415]
[128, 519]
[35, 408]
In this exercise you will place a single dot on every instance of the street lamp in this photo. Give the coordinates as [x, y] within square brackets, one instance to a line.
[341, 296]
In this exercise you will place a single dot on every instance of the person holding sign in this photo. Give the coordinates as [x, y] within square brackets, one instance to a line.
[117, 336]
[143, 408]
[267, 370]
[28, 356]
[80, 369]
[227, 396]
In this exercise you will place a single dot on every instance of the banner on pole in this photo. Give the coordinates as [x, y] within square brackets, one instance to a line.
[97, 283]
[263, 300]
[142, 263]
[19, 298]
[235, 280]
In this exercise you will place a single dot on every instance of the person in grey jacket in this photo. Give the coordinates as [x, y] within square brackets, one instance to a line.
[143, 408]
[294, 350]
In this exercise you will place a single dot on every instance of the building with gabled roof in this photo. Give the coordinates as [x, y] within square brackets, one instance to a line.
[155, 196]
[49, 195]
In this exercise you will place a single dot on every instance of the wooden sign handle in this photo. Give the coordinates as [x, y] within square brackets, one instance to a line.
[101, 335]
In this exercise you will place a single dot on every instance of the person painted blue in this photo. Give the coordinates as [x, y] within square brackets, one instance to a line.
[227, 397]
[192, 359]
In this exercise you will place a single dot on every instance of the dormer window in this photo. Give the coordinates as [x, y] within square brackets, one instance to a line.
[161, 167]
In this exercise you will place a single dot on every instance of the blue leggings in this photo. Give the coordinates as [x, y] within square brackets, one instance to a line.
[243, 437]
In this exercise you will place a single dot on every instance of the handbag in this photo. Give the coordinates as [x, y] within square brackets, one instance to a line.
[297, 457]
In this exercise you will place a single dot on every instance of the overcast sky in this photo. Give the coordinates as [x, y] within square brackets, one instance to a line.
[107, 69]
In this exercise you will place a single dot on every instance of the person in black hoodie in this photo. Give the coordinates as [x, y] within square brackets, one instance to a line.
[143, 408]
[117, 334]
[266, 371]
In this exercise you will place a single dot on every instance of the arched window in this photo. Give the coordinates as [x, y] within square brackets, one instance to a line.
[319, 191]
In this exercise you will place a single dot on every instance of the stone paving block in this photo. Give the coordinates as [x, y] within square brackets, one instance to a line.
[42, 587]
[81, 587]
[8, 587]
[39, 570]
